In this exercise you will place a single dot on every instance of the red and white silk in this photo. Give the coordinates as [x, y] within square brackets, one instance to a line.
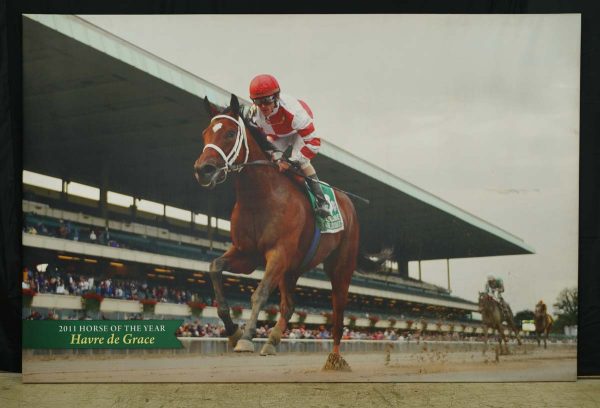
[291, 124]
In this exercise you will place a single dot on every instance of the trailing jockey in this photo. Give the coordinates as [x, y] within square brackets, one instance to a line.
[288, 122]
[495, 287]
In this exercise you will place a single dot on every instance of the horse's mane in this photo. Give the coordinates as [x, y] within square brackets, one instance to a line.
[257, 134]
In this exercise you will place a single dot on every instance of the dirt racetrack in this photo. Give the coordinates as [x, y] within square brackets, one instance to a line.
[524, 364]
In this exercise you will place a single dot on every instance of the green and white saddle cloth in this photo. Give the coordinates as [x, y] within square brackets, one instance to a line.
[334, 222]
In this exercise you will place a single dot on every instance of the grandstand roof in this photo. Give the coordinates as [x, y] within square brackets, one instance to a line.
[107, 113]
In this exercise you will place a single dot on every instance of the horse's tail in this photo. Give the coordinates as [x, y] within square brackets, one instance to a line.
[373, 262]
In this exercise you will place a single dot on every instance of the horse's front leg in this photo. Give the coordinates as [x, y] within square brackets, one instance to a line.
[236, 262]
[276, 266]
[503, 338]
[286, 310]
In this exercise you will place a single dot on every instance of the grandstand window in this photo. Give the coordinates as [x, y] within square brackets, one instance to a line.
[40, 180]
[178, 213]
[223, 224]
[201, 219]
[150, 207]
[82, 190]
[120, 200]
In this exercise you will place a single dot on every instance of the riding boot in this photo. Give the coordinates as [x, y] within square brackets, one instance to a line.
[323, 208]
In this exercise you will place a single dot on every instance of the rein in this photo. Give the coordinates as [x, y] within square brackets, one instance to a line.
[239, 167]
[229, 159]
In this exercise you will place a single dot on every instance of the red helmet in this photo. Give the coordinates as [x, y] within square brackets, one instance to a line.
[263, 85]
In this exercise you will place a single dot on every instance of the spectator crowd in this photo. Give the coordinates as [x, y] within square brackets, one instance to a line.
[65, 283]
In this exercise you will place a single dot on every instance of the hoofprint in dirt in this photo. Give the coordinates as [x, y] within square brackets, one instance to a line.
[530, 364]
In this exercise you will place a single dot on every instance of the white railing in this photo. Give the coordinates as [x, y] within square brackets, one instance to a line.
[213, 346]
[174, 310]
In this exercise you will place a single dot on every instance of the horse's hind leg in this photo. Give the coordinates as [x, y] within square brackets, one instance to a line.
[485, 339]
[503, 338]
[340, 267]
[235, 262]
[548, 328]
[513, 327]
[286, 310]
[501, 350]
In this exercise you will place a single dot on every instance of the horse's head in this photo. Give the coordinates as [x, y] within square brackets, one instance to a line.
[225, 144]
[484, 300]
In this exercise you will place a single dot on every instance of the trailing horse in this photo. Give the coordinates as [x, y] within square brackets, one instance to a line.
[272, 225]
[543, 323]
[492, 316]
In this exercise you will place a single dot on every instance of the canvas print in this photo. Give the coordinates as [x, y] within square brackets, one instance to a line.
[285, 198]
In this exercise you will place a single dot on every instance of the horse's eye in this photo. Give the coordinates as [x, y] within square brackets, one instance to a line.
[230, 134]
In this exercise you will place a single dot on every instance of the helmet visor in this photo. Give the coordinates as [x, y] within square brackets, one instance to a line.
[266, 100]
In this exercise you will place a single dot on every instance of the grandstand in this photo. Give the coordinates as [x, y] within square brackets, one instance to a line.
[134, 250]
[108, 147]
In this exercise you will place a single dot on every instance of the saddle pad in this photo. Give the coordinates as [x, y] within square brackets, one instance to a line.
[333, 223]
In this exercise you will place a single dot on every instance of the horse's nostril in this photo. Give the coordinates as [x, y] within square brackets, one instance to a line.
[206, 170]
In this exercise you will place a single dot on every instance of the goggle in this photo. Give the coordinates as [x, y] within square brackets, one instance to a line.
[266, 100]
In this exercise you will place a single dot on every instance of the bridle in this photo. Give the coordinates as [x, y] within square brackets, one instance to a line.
[241, 139]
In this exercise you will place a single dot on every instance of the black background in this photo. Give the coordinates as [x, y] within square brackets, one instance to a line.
[588, 361]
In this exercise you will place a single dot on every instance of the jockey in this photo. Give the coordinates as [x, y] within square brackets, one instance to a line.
[287, 122]
[542, 305]
[494, 287]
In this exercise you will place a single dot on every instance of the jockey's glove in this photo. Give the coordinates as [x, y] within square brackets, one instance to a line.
[276, 155]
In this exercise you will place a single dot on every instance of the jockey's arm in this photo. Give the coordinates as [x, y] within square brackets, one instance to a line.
[309, 141]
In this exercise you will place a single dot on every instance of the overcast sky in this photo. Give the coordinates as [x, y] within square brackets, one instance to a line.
[480, 110]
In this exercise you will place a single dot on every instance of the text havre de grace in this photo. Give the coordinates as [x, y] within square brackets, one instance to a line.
[126, 333]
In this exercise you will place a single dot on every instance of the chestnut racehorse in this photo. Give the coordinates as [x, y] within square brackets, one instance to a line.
[543, 322]
[272, 225]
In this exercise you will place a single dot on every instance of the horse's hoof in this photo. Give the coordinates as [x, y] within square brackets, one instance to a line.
[234, 338]
[268, 350]
[335, 362]
[244, 346]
